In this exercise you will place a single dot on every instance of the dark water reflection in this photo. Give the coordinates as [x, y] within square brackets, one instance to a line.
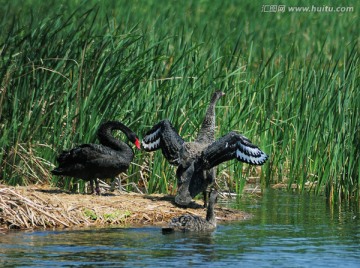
[287, 230]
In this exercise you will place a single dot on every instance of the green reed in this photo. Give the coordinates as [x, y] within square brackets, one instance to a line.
[291, 83]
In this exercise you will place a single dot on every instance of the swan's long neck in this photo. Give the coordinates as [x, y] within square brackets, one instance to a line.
[207, 131]
[107, 139]
[210, 214]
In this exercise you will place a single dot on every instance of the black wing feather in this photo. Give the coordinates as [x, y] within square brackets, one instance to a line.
[164, 136]
[232, 146]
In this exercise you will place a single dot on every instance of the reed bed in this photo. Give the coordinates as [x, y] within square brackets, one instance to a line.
[45, 207]
[291, 82]
[21, 212]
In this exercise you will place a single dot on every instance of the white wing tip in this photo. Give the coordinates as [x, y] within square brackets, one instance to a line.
[151, 145]
[254, 160]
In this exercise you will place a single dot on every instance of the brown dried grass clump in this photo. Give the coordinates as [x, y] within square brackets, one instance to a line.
[38, 207]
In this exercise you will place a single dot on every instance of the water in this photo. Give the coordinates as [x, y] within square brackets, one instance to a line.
[288, 230]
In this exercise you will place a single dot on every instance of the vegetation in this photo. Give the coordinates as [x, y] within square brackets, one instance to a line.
[291, 81]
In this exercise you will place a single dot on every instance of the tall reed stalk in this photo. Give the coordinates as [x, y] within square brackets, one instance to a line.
[291, 83]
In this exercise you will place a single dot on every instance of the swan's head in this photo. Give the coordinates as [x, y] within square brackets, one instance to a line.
[134, 139]
[218, 94]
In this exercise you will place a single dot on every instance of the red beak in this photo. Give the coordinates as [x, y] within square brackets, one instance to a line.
[137, 144]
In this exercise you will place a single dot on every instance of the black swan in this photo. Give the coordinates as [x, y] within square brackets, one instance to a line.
[196, 161]
[190, 222]
[94, 161]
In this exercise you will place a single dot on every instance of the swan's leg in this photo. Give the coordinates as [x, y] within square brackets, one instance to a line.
[97, 188]
[112, 188]
[91, 186]
[209, 176]
[205, 198]
[119, 182]
[183, 196]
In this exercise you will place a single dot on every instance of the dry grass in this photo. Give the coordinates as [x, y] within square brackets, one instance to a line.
[37, 207]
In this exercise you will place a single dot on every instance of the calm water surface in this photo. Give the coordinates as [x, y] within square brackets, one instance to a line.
[288, 230]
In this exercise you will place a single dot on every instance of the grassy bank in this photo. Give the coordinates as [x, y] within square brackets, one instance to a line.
[291, 81]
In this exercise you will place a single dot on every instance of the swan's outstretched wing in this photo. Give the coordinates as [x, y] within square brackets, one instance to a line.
[231, 146]
[164, 136]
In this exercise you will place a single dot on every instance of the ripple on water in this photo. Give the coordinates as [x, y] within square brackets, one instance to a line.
[286, 231]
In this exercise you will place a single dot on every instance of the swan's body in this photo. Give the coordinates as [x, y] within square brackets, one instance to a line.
[190, 222]
[93, 161]
[196, 161]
